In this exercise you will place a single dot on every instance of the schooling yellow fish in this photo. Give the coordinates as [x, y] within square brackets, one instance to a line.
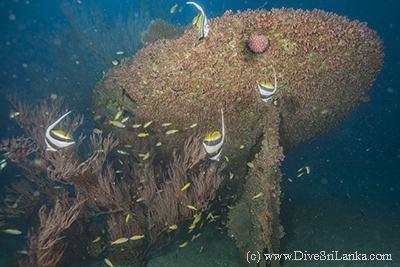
[136, 237]
[142, 134]
[191, 207]
[185, 187]
[12, 231]
[108, 262]
[173, 8]
[119, 241]
[307, 169]
[171, 132]
[173, 227]
[258, 195]
[117, 124]
[56, 140]
[147, 124]
[213, 143]
[267, 90]
[119, 113]
[183, 245]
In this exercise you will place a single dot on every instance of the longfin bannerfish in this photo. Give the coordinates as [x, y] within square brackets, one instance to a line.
[213, 143]
[52, 139]
[203, 26]
[267, 90]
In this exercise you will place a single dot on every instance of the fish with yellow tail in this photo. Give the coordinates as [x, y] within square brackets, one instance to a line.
[173, 8]
[117, 124]
[202, 23]
[214, 142]
[136, 237]
[119, 241]
[108, 262]
[258, 195]
[185, 187]
[11, 231]
[56, 140]
[267, 90]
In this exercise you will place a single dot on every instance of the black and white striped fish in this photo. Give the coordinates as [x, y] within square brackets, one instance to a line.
[56, 140]
[267, 90]
[214, 142]
[203, 26]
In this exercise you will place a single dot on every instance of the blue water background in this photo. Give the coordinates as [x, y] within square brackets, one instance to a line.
[356, 163]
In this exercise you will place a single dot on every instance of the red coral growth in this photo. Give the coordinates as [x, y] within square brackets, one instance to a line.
[258, 43]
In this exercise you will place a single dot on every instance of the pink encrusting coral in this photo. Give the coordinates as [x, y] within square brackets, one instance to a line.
[258, 43]
[324, 63]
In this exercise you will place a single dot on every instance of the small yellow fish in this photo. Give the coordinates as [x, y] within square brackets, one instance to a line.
[258, 195]
[227, 159]
[127, 218]
[97, 131]
[241, 146]
[191, 207]
[120, 52]
[142, 134]
[290, 180]
[120, 241]
[96, 240]
[185, 187]
[159, 144]
[173, 227]
[147, 124]
[136, 125]
[173, 8]
[195, 19]
[119, 113]
[299, 170]
[22, 252]
[108, 262]
[118, 171]
[125, 119]
[145, 156]
[96, 117]
[128, 146]
[308, 169]
[183, 245]
[12, 231]
[13, 114]
[122, 152]
[139, 199]
[231, 175]
[166, 124]
[193, 125]
[117, 124]
[201, 249]
[137, 237]
[250, 164]
[115, 61]
[230, 207]
[300, 174]
[171, 131]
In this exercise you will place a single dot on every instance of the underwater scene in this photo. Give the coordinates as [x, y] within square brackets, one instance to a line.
[199, 133]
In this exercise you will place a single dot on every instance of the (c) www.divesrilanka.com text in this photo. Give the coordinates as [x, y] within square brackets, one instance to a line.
[321, 256]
